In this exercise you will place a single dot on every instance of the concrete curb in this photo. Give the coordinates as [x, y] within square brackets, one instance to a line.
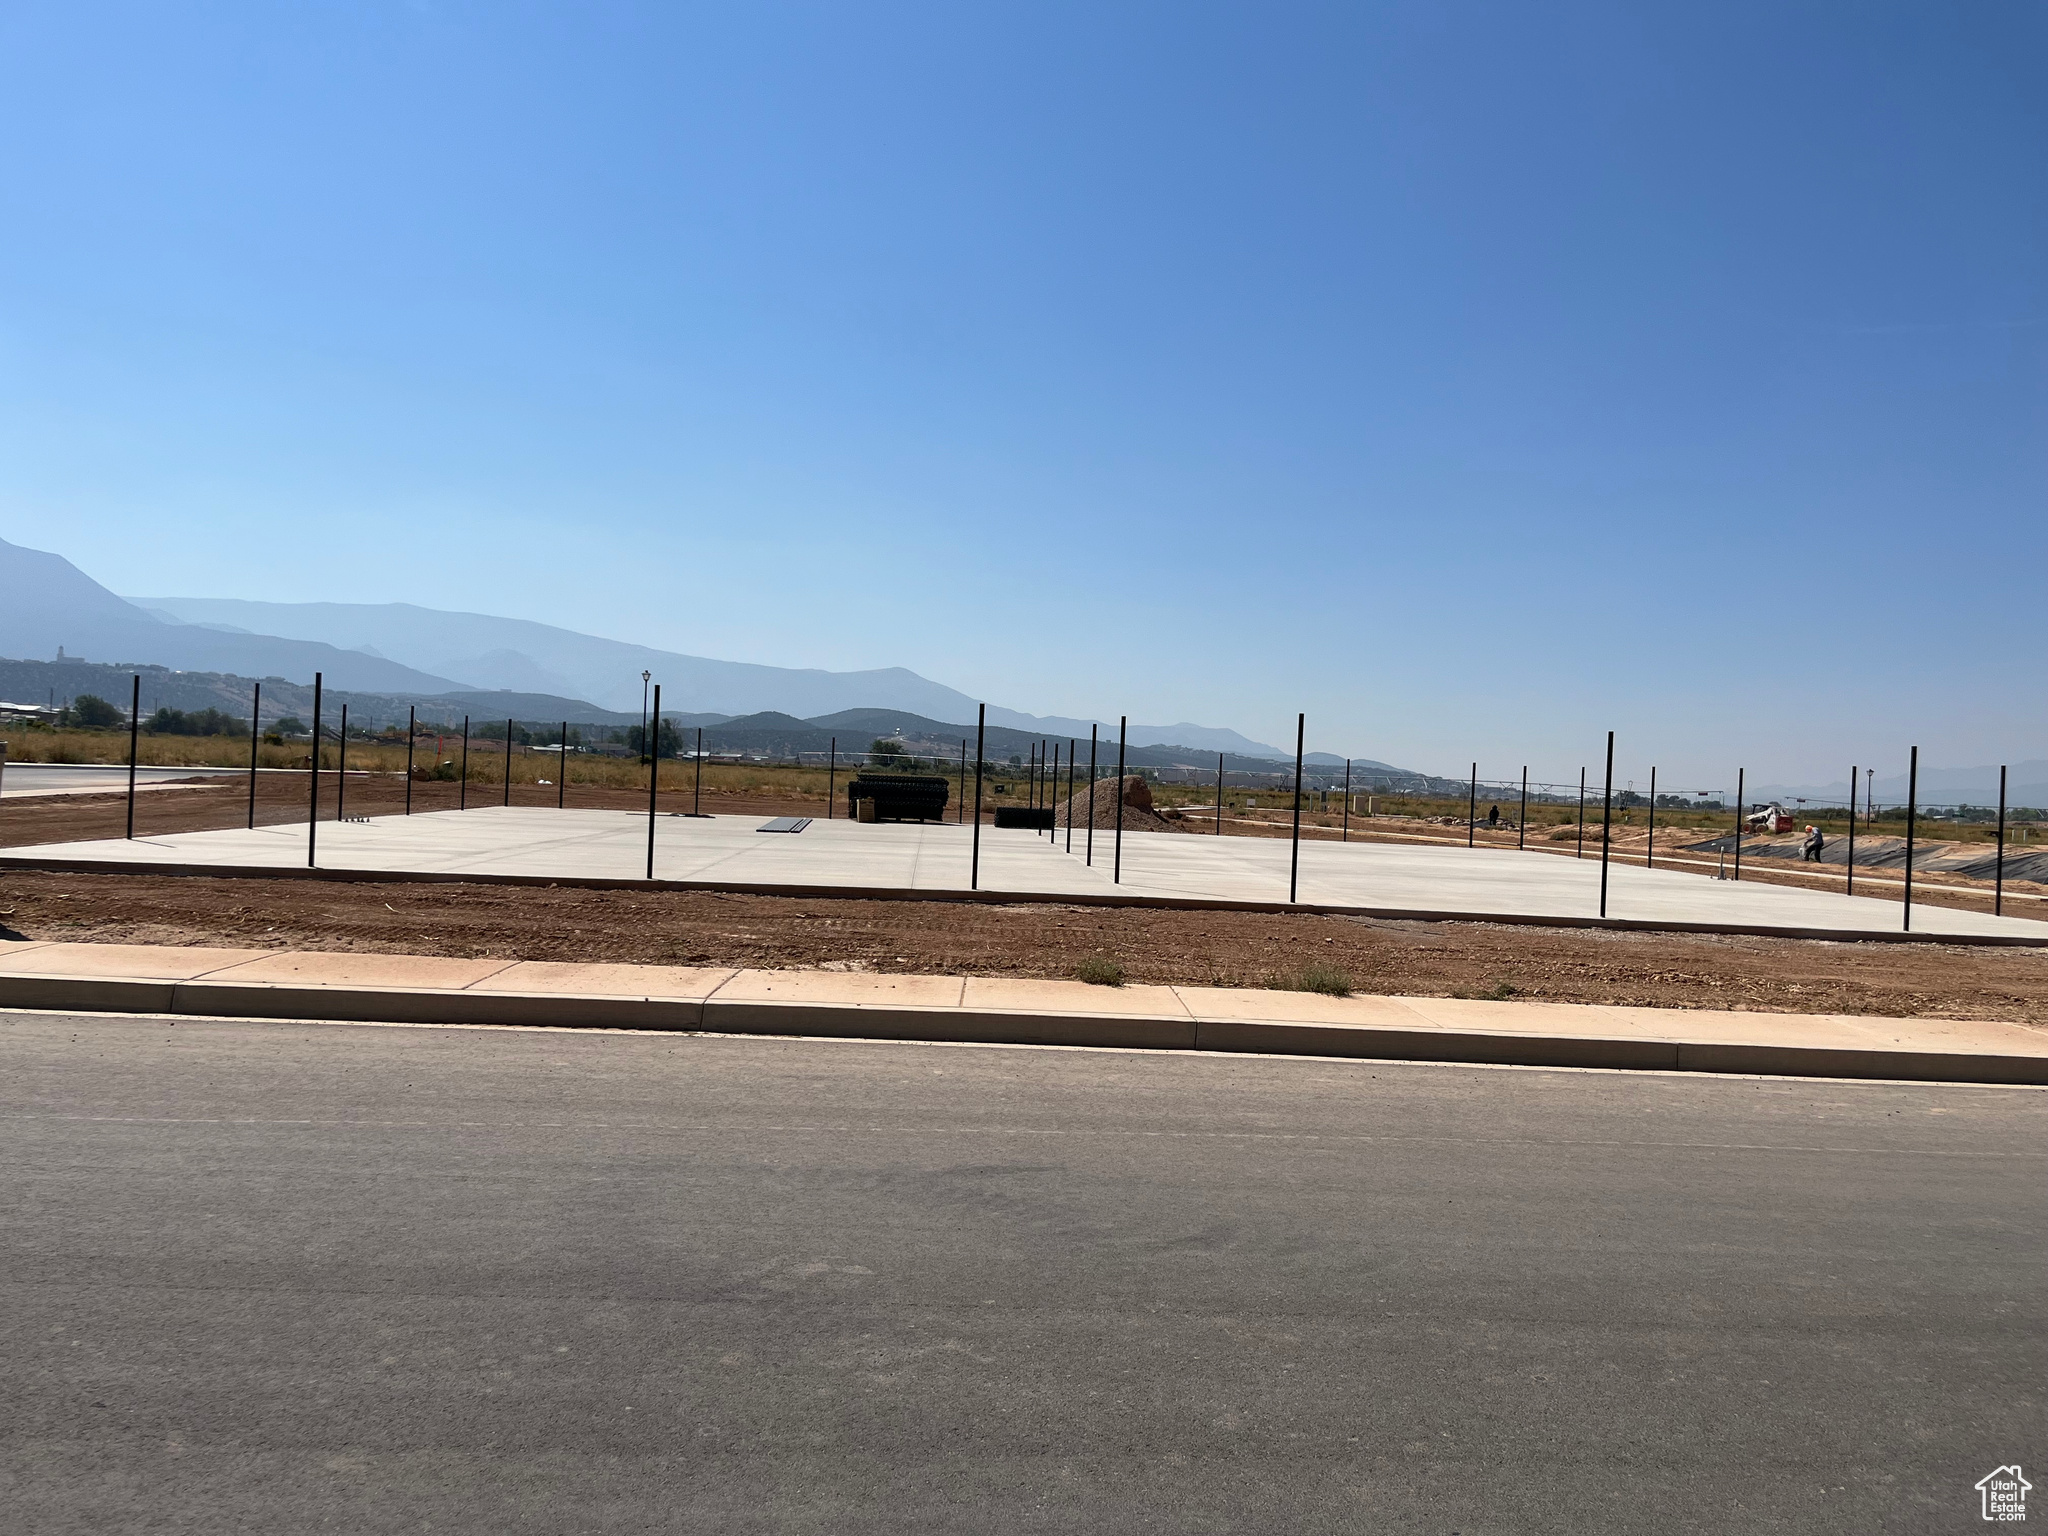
[1005, 898]
[1146, 1031]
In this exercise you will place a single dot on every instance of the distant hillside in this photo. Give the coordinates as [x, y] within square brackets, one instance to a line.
[766, 733]
[487, 652]
[52, 604]
[478, 664]
[526, 657]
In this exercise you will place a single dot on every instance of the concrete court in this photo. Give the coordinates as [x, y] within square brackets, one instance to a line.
[283, 1277]
[551, 844]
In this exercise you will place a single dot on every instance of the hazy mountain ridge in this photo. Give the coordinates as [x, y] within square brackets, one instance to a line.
[527, 656]
[480, 662]
[53, 604]
[766, 731]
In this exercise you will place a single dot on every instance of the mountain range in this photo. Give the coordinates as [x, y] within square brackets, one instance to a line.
[537, 716]
[404, 650]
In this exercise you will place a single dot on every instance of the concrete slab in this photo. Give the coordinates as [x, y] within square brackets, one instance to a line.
[596, 980]
[725, 852]
[1031, 996]
[153, 962]
[408, 972]
[937, 1008]
[841, 988]
[1216, 1004]
[1522, 1017]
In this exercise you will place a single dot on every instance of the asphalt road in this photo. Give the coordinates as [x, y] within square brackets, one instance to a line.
[264, 1277]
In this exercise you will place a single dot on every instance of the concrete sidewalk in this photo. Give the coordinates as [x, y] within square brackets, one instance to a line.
[250, 983]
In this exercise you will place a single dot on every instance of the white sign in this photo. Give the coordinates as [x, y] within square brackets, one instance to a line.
[2005, 1495]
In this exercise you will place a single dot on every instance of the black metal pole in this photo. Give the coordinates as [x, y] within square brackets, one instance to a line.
[1219, 794]
[313, 808]
[832, 774]
[1072, 764]
[1052, 790]
[1912, 822]
[462, 793]
[1123, 731]
[1347, 802]
[1741, 794]
[1650, 849]
[255, 740]
[508, 762]
[1851, 888]
[341, 770]
[960, 801]
[653, 783]
[562, 771]
[980, 738]
[1606, 820]
[411, 731]
[1998, 880]
[134, 744]
[1294, 855]
[697, 794]
[1472, 809]
[1091, 796]
[1522, 824]
[1582, 815]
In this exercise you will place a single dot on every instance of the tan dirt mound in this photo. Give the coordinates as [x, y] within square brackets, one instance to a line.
[1139, 816]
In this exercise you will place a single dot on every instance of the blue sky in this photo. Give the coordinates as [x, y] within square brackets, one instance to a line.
[1475, 378]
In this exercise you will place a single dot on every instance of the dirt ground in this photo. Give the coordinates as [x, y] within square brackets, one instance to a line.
[1202, 948]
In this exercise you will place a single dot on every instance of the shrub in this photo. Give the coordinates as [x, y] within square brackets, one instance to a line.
[1100, 971]
[1316, 977]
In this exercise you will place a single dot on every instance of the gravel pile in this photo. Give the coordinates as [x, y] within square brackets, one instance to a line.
[1139, 816]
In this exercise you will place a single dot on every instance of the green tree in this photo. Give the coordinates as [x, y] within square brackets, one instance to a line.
[668, 739]
[89, 709]
[203, 722]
